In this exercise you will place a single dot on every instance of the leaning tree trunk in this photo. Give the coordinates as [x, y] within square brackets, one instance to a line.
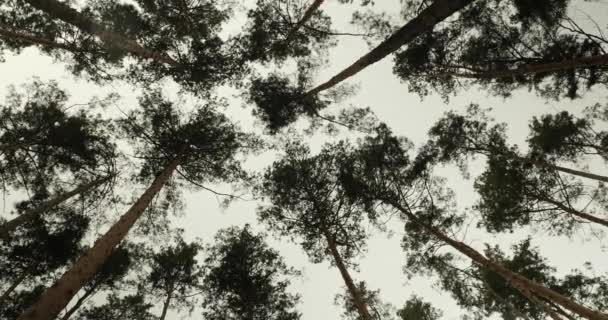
[583, 62]
[541, 304]
[583, 174]
[55, 298]
[165, 307]
[575, 212]
[10, 226]
[305, 18]
[78, 304]
[65, 13]
[6, 33]
[519, 282]
[12, 288]
[438, 11]
[355, 293]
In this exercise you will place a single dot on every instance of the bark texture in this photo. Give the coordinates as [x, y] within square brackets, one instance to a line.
[10, 226]
[438, 11]
[584, 62]
[6, 33]
[520, 283]
[360, 304]
[583, 174]
[305, 18]
[577, 213]
[67, 14]
[55, 298]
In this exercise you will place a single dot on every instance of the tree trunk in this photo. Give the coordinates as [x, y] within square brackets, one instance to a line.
[580, 173]
[55, 298]
[165, 307]
[584, 62]
[575, 212]
[78, 304]
[426, 20]
[17, 36]
[307, 15]
[65, 13]
[541, 304]
[12, 288]
[517, 281]
[355, 293]
[10, 226]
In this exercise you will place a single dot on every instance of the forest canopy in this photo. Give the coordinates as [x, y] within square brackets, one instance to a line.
[303, 159]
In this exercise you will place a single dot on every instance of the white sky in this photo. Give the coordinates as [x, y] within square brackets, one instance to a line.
[382, 265]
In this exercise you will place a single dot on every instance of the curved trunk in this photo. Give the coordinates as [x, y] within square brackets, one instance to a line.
[31, 39]
[55, 298]
[11, 225]
[65, 13]
[583, 174]
[519, 282]
[438, 11]
[12, 288]
[307, 15]
[584, 62]
[352, 288]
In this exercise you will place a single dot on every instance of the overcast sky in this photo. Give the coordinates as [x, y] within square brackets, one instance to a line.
[407, 115]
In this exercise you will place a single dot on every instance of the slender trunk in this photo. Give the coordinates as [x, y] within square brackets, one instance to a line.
[583, 174]
[360, 304]
[55, 298]
[561, 311]
[438, 11]
[307, 15]
[517, 281]
[541, 304]
[7, 228]
[65, 13]
[78, 304]
[575, 212]
[12, 288]
[583, 62]
[31, 39]
[165, 307]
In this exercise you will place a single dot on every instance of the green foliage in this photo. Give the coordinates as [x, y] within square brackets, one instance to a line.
[119, 308]
[279, 103]
[492, 35]
[485, 293]
[204, 140]
[378, 309]
[416, 308]
[246, 279]
[309, 204]
[41, 141]
[175, 274]
[269, 35]
[43, 245]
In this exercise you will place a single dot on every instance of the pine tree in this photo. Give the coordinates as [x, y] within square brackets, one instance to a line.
[502, 46]
[521, 189]
[428, 212]
[201, 149]
[281, 103]
[175, 275]
[309, 205]
[246, 279]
